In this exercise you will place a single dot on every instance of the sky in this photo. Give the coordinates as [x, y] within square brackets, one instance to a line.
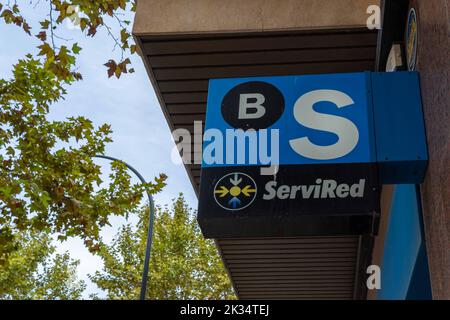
[141, 135]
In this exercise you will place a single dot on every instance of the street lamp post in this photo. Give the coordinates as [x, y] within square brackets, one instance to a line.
[150, 225]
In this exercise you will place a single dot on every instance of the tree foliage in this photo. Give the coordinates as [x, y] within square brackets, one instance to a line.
[183, 264]
[34, 271]
[49, 184]
[48, 180]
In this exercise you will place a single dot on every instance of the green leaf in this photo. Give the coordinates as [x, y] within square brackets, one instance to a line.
[75, 48]
[45, 24]
[46, 50]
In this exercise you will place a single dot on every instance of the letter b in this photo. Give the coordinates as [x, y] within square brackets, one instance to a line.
[258, 110]
[252, 105]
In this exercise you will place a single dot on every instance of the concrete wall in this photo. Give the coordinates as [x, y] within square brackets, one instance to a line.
[198, 16]
[434, 67]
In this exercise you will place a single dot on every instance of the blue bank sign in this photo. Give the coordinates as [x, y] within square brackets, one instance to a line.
[318, 119]
[306, 155]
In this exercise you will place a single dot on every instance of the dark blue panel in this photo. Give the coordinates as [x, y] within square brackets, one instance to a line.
[399, 128]
[420, 286]
[402, 269]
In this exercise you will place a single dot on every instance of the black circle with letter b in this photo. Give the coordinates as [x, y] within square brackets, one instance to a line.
[253, 105]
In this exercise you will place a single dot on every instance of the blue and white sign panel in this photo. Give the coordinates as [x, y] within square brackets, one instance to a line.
[302, 155]
[282, 152]
[321, 118]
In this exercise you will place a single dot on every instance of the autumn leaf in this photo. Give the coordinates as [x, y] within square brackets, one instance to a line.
[112, 66]
[42, 36]
[26, 27]
[124, 35]
[92, 31]
[44, 24]
[46, 50]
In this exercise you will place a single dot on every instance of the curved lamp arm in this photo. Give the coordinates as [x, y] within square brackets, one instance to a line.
[150, 225]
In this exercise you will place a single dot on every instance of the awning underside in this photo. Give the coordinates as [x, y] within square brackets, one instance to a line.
[180, 66]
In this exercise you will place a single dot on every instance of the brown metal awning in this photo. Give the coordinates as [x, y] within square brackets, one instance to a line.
[180, 66]
[293, 268]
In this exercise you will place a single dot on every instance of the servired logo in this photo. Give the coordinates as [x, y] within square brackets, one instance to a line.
[235, 191]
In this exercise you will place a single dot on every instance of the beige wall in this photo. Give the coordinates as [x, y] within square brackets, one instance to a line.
[434, 66]
[200, 16]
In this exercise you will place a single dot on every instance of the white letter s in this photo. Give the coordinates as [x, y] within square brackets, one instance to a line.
[346, 130]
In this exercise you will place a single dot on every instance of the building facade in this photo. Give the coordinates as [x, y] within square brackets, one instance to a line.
[184, 44]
